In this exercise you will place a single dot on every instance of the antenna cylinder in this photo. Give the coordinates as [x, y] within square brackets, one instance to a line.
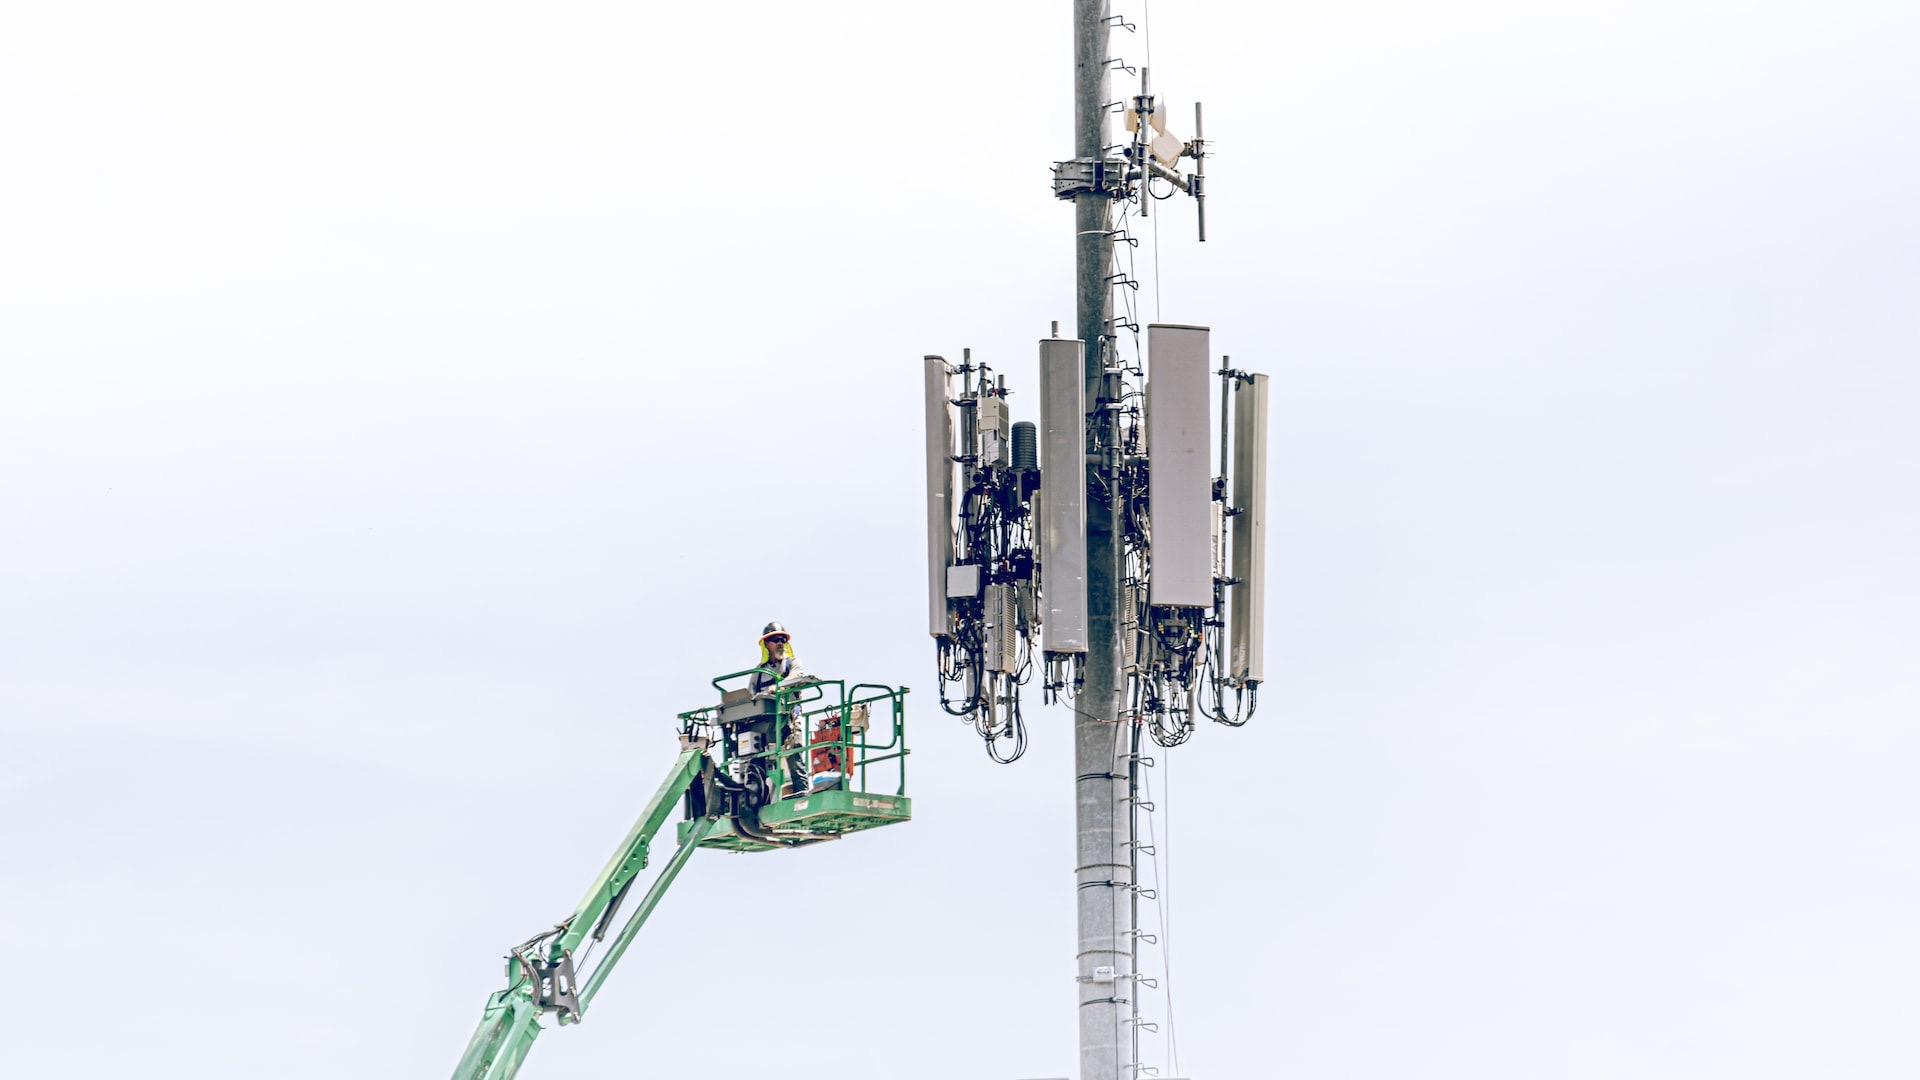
[1026, 450]
[939, 494]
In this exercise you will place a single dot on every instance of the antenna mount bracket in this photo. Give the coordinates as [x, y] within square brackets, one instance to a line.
[1089, 176]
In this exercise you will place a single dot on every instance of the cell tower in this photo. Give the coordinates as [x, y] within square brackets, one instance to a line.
[1101, 537]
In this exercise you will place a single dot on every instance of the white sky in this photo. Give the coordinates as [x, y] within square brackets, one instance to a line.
[405, 406]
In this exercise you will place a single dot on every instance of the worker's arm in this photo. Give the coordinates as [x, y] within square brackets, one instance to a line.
[541, 975]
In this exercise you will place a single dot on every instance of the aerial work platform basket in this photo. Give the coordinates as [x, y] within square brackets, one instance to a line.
[825, 757]
[803, 761]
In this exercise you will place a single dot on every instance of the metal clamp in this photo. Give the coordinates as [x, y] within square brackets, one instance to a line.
[553, 986]
[1089, 176]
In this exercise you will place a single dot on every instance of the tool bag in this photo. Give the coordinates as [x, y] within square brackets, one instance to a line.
[827, 767]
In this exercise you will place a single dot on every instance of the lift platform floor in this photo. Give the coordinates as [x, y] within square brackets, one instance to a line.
[821, 814]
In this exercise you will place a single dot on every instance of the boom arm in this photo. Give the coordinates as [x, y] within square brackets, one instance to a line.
[540, 971]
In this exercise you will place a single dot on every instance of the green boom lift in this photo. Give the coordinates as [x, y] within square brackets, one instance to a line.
[801, 763]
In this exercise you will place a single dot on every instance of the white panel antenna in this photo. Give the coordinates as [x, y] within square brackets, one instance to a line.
[1063, 524]
[1179, 480]
[939, 494]
[1247, 596]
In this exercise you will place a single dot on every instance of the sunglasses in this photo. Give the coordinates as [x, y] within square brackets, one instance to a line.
[777, 640]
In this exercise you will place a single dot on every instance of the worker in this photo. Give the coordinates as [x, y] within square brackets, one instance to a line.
[778, 662]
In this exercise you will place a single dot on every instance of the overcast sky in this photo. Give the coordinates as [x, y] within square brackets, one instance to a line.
[404, 408]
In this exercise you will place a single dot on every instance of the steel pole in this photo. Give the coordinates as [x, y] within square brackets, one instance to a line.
[1102, 870]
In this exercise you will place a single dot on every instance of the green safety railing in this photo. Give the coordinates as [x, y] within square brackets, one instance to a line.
[806, 708]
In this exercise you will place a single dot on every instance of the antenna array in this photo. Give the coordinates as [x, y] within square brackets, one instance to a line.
[982, 573]
[1007, 541]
